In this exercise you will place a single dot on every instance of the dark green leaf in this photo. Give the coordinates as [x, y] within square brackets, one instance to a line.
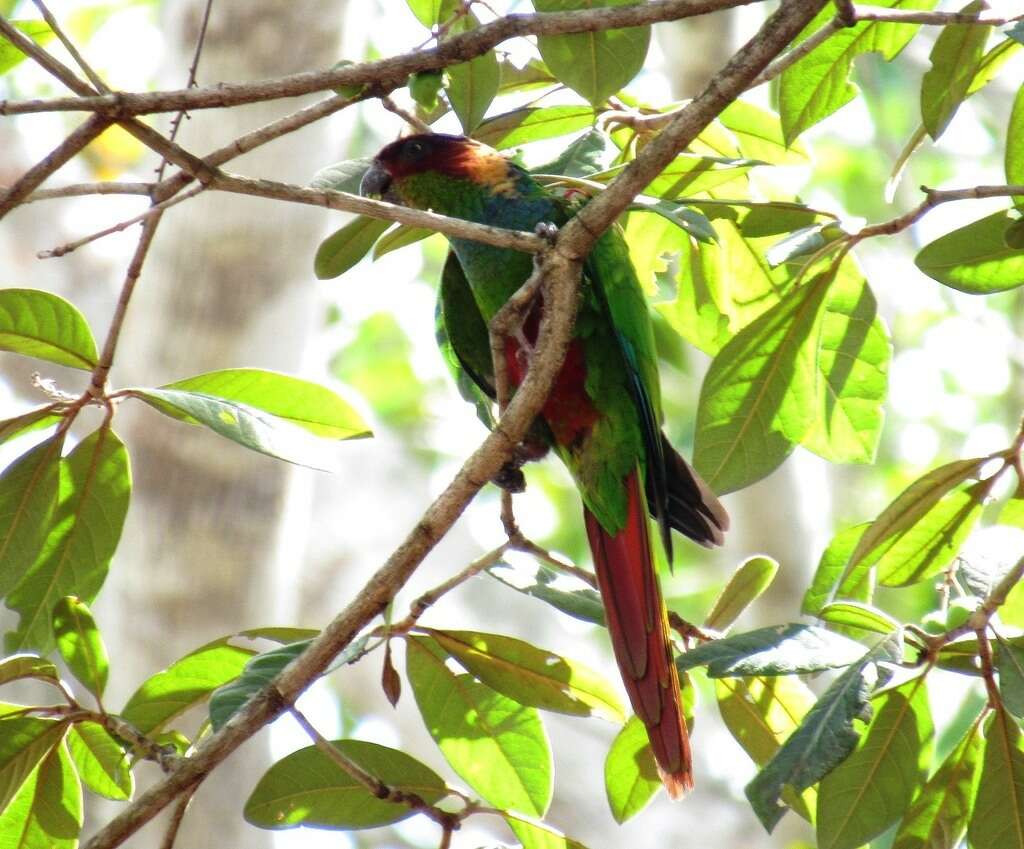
[530, 124]
[997, 821]
[11, 56]
[29, 490]
[687, 219]
[630, 773]
[259, 671]
[80, 644]
[853, 358]
[856, 616]
[937, 819]
[776, 650]
[818, 84]
[869, 790]
[912, 505]
[342, 176]
[956, 58]
[95, 485]
[761, 713]
[530, 675]
[27, 666]
[255, 429]
[184, 684]
[562, 591]
[586, 155]
[496, 745]
[473, 84]
[978, 259]
[47, 812]
[593, 64]
[1015, 143]
[745, 586]
[300, 402]
[825, 738]
[345, 247]
[39, 324]
[308, 788]
[1011, 676]
[425, 87]
[757, 399]
[400, 237]
[101, 762]
[857, 585]
[24, 742]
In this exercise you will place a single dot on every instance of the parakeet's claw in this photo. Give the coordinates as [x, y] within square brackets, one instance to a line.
[510, 478]
[546, 230]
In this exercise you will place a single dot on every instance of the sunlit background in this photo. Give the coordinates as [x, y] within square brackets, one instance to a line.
[955, 390]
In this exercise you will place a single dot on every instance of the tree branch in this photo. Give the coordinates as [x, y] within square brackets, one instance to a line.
[941, 19]
[389, 73]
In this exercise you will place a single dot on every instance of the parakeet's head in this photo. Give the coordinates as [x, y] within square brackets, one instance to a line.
[430, 171]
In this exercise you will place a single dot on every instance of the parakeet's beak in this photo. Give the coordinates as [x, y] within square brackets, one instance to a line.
[376, 183]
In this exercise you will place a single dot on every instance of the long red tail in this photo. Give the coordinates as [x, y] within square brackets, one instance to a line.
[639, 630]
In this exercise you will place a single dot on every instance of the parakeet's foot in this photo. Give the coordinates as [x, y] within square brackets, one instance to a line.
[546, 230]
[510, 478]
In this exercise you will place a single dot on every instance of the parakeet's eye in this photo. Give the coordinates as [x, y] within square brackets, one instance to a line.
[415, 149]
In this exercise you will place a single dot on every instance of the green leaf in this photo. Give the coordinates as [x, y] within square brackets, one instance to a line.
[759, 135]
[757, 399]
[47, 812]
[530, 675]
[11, 56]
[424, 88]
[346, 246]
[562, 591]
[818, 84]
[184, 684]
[856, 585]
[686, 218]
[698, 313]
[29, 489]
[978, 259]
[1011, 676]
[344, 176]
[761, 713]
[925, 548]
[825, 738]
[861, 617]
[937, 818]
[997, 821]
[956, 58]
[652, 241]
[101, 762]
[402, 236]
[472, 85]
[37, 419]
[496, 745]
[80, 644]
[308, 788]
[909, 508]
[300, 402]
[593, 64]
[27, 666]
[252, 428]
[853, 358]
[869, 791]
[427, 12]
[775, 650]
[45, 326]
[689, 174]
[630, 772]
[1015, 142]
[533, 123]
[537, 835]
[991, 64]
[753, 577]
[259, 671]
[95, 484]
[586, 155]
[24, 742]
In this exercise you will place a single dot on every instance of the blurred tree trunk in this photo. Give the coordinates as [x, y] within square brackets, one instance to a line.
[227, 284]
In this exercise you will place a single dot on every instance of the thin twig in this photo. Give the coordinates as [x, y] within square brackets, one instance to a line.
[845, 12]
[84, 189]
[192, 70]
[410, 119]
[939, 19]
[177, 817]
[528, 546]
[789, 59]
[67, 248]
[69, 45]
